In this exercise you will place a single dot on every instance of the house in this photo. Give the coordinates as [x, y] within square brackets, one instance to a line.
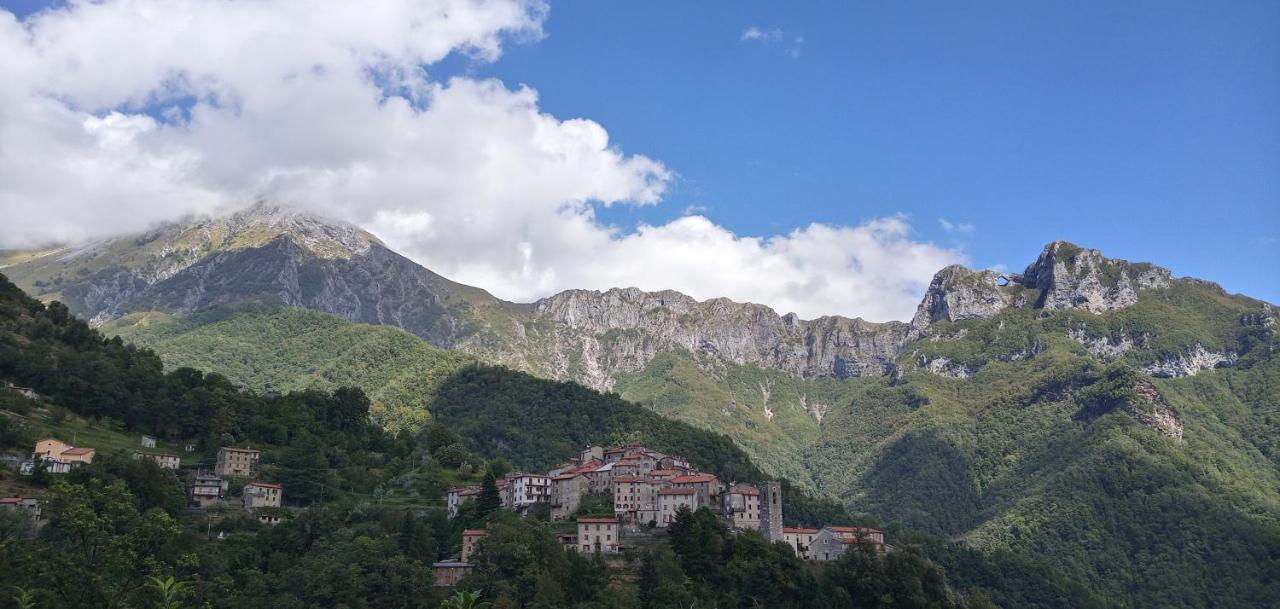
[148, 441]
[600, 479]
[592, 453]
[262, 495]
[459, 495]
[30, 505]
[207, 490]
[53, 449]
[568, 540]
[598, 534]
[527, 490]
[635, 499]
[567, 490]
[237, 462]
[665, 475]
[164, 460]
[447, 573]
[799, 538]
[470, 541]
[671, 499]
[269, 516]
[859, 535]
[832, 542]
[707, 486]
[742, 506]
[673, 462]
[25, 392]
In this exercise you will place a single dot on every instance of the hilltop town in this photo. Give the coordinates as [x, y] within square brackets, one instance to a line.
[647, 489]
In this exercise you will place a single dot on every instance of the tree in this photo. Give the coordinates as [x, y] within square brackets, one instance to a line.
[168, 591]
[464, 600]
[489, 500]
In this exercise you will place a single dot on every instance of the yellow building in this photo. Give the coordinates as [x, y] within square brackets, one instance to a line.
[56, 450]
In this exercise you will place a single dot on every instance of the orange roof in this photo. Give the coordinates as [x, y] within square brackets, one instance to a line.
[243, 450]
[266, 484]
[598, 520]
[77, 451]
[677, 491]
[567, 476]
[664, 472]
[743, 489]
[799, 530]
[13, 500]
[474, 533]
[693, 478]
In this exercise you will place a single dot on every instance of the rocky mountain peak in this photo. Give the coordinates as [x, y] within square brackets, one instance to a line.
[958, 293]
[1071, 277]
[260, 224]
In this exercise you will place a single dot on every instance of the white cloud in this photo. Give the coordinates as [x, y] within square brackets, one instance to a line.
[332, 107]
[961, 228]
[774, 36]
[756, 34]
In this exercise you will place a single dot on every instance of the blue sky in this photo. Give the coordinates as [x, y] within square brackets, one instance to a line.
[1148, 130]
[818, 157]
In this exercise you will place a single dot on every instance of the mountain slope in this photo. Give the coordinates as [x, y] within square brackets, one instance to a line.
[1097, 415]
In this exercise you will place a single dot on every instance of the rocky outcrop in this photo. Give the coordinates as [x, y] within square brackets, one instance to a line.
[1150, 409]
[1190, 363]
[1104, 347]
[1071, 277]
[957, 293]
[942, 366]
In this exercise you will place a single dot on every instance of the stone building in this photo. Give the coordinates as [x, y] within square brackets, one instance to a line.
[470, 541]
[447, 573]
[262, 495]
[164, 460]
[233, 461]
[596, 534]
[742, 507]
[670, 500]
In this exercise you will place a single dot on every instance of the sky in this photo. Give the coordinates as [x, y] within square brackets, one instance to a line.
[822, 158]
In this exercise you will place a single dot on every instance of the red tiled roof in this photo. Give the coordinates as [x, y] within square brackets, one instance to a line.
[743, 489]
[77, 451]
[664, 472]
[266, 484]
[693, 478]
[677, 491]
[243, 450]
[11, 500]
[598, 520]
[567, 476]
[799, 530]
[475, 533]
[853, 530]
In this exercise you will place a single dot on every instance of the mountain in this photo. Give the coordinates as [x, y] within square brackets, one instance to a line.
[1096, 415]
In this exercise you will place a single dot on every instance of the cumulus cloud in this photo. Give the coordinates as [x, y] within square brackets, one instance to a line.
[333, 107]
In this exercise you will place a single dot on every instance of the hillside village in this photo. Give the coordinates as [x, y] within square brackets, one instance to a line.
[647, 490]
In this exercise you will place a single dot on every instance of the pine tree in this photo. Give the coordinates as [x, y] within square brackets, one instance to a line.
[489, 500]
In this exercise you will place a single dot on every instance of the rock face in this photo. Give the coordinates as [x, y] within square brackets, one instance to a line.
[1071, 277]
[957, 293]
[1151, 410]
[1190, 363]
[621, 330]
[278, 255]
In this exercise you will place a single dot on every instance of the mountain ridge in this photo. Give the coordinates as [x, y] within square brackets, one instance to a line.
[277, 254]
